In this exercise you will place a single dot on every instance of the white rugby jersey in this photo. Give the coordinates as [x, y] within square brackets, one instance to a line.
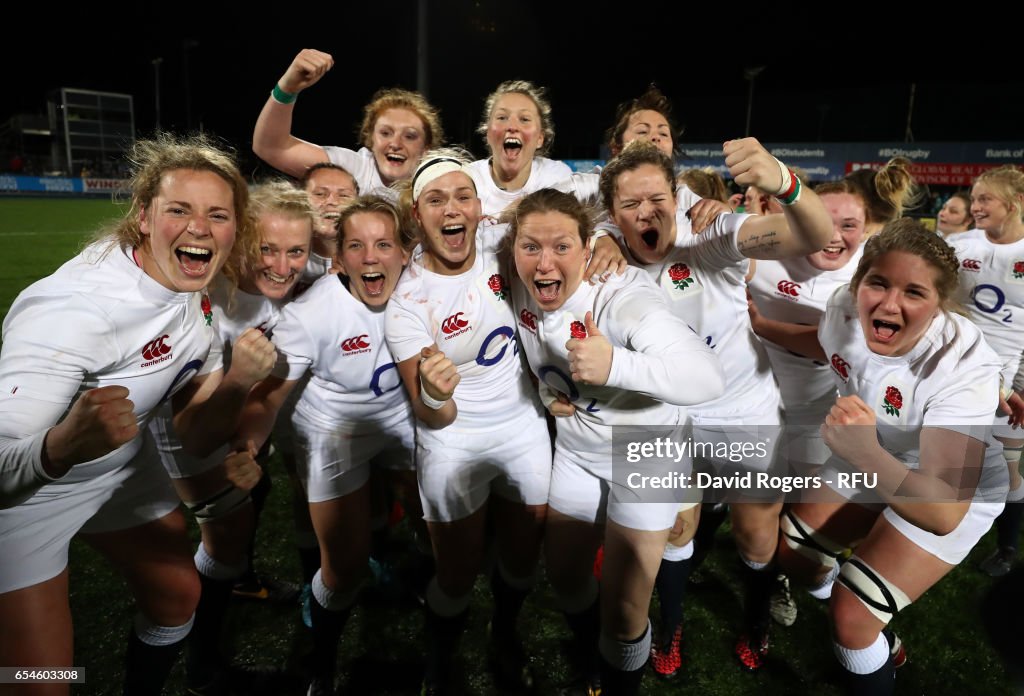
[992, 291]
[317, 267]
[544, 173]
[363, 168]
[792, 290]
[703, 281]
[234, 311]
[99, 320]
[658, 362]
[469, 317]
[341, 341]
[950, 379]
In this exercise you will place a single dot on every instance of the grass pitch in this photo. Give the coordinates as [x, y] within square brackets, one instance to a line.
[382, 648]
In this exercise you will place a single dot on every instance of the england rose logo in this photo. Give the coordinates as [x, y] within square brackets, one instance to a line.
[893, 401]
[1018, 269]
[577, 330]
[207, 310]
[498, 286]
[840, 366]
[679, 274]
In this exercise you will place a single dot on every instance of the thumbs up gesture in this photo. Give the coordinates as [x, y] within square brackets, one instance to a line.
[590, 357]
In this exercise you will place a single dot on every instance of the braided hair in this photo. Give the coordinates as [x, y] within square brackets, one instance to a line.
[910, 236]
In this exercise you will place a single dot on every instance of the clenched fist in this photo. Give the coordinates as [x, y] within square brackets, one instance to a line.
[99, 422]
[438, 374]
[252, 357]
[306, 70]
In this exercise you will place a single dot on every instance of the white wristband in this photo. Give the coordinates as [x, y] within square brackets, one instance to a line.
[787, 178]
[429, 401]
[592, 242]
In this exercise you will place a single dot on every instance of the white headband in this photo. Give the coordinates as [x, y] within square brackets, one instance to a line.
[432, 170]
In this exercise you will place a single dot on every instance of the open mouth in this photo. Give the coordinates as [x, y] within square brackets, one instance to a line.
[454, 235]
[650, 238]
[193, 260]
[331, 215]
[833, 252]
[395, 158]
[547, 290]
[374, 283]
[884, 330]
[276, 279]
[512, 145]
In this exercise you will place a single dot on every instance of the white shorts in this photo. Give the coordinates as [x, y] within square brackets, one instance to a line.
[803, 442]
[577, 490]
[953, 547]
[333, 458]
[178, 463]
[458, 471]
[35, 535]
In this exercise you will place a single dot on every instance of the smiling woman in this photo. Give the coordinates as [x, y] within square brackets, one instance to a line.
[519, 131]
[922, 380]
[352, 416]
[481, 441]
[398, 126]
[133, 332]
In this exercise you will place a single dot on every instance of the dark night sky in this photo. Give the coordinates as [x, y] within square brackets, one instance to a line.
[831, 82]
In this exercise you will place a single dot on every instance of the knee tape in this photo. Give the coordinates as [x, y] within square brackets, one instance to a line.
[218, 505]
[809, 542]
[881, 597]
[1012, 455]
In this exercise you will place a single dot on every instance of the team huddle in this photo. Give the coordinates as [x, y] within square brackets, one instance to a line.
[465, 337]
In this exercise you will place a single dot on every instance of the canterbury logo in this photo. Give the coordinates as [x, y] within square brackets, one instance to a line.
[840, 366]
[788, 287]
[156, 348]
[529, 319]
[971, 265]
[454, 323]
[355, 343]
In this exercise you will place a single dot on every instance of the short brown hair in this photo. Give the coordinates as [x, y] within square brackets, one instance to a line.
[651, 100]
[911, 236]
[633, 156]
[379, 206]
[548, 200]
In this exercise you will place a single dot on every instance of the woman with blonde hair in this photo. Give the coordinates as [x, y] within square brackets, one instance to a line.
[133, 326]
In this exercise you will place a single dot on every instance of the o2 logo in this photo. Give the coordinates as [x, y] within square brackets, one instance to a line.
[561, 382]
[185, 375]
[505, 332]
[990, 300]
[382, 382]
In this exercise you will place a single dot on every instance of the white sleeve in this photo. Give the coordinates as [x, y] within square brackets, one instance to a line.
[296, 349]
[547, 394]
[584, 185]
[349, 160]
[716, 247]
[406, 332]
[664, 358]
[968, 397]
[42, 368]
